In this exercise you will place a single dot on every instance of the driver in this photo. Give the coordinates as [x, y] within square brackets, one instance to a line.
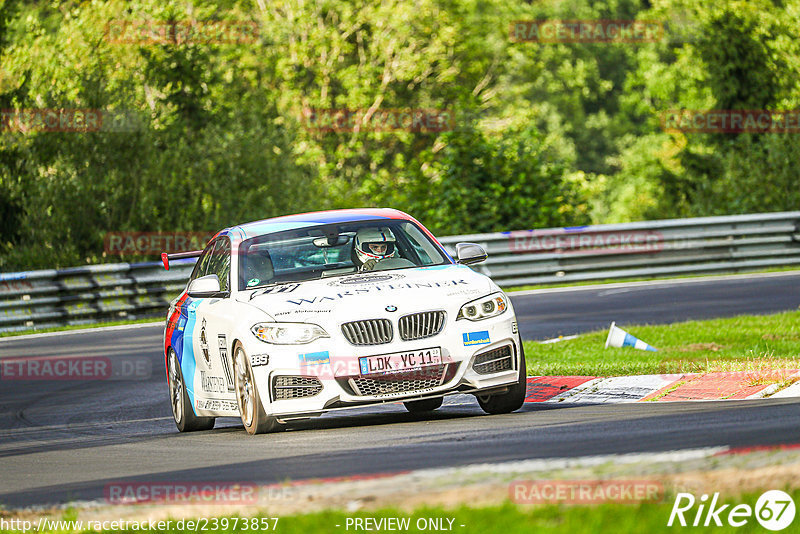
[372, 245]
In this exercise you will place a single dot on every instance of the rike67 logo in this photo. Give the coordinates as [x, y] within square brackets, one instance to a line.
[774, 510]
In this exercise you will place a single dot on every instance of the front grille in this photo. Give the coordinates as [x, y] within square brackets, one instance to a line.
[421, 325]
[368, 332]
[295, 387]
[403, 382]
[494, 361]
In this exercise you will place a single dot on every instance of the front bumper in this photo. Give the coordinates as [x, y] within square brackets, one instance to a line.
[307, 380]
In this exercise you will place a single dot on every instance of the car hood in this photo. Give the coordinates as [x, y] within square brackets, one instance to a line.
[374, 294]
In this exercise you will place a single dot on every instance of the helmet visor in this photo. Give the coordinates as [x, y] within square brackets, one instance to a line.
[379, 248]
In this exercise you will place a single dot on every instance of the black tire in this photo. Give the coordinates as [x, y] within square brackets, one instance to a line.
[182, 409]
[254, 418]
[514, 398]
[423, 406]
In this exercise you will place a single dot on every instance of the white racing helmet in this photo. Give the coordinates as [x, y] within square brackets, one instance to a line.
[374, 244]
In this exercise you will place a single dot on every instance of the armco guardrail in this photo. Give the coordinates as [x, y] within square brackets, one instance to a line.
[85, 295]
[39, 299]
[642, 249]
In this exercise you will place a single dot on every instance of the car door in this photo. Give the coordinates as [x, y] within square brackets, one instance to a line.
[180, 323]
[213, 320]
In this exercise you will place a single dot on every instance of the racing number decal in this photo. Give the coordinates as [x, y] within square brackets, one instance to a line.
[223, 355]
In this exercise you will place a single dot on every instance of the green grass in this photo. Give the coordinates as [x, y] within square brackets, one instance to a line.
[644, 518]
[77, 327]
[659, 279]
[744, 343]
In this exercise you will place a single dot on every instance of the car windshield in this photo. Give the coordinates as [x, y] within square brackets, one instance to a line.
[334, 250]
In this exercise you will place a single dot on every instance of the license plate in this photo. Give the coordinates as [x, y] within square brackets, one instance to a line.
[400, 361]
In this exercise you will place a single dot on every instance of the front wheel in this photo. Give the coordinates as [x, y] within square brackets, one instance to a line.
[182, 411]
[513, 398]
[254, 418]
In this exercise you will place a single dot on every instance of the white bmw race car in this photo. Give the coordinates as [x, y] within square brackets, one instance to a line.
[287, 318]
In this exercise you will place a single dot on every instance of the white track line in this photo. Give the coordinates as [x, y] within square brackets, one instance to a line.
[549, 464]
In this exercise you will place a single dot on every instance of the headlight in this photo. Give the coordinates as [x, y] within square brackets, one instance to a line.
[483, 308]
[288, 333]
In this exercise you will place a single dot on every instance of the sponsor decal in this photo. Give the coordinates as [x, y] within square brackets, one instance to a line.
[464, 292]
[476, 338]
[375, 289]
[315, 358]
[514, 327]
[283, 288]
[223, 356]
[204, 344]
[212, 384]
[299, 312]
[217, 405]
[365, 279]
[257, 360]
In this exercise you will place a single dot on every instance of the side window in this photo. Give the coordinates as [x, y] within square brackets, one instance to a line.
[201, 267]
[220, 263]
[222, 267]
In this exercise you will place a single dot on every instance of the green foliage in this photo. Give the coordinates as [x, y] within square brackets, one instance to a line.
[544, 134]
[732, 55]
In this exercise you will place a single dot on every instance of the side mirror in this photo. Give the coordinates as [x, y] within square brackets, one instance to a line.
[469, 253]
[205, 286]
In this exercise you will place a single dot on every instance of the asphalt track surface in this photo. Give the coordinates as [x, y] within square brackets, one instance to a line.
[66, 441]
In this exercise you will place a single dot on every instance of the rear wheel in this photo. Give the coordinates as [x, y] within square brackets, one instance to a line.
[182, 411]
[425, 405]
[254, 418]
[513, 398]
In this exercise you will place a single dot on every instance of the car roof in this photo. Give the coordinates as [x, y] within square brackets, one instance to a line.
[316, 218]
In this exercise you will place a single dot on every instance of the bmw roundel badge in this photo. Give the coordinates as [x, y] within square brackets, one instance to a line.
[391, 308]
